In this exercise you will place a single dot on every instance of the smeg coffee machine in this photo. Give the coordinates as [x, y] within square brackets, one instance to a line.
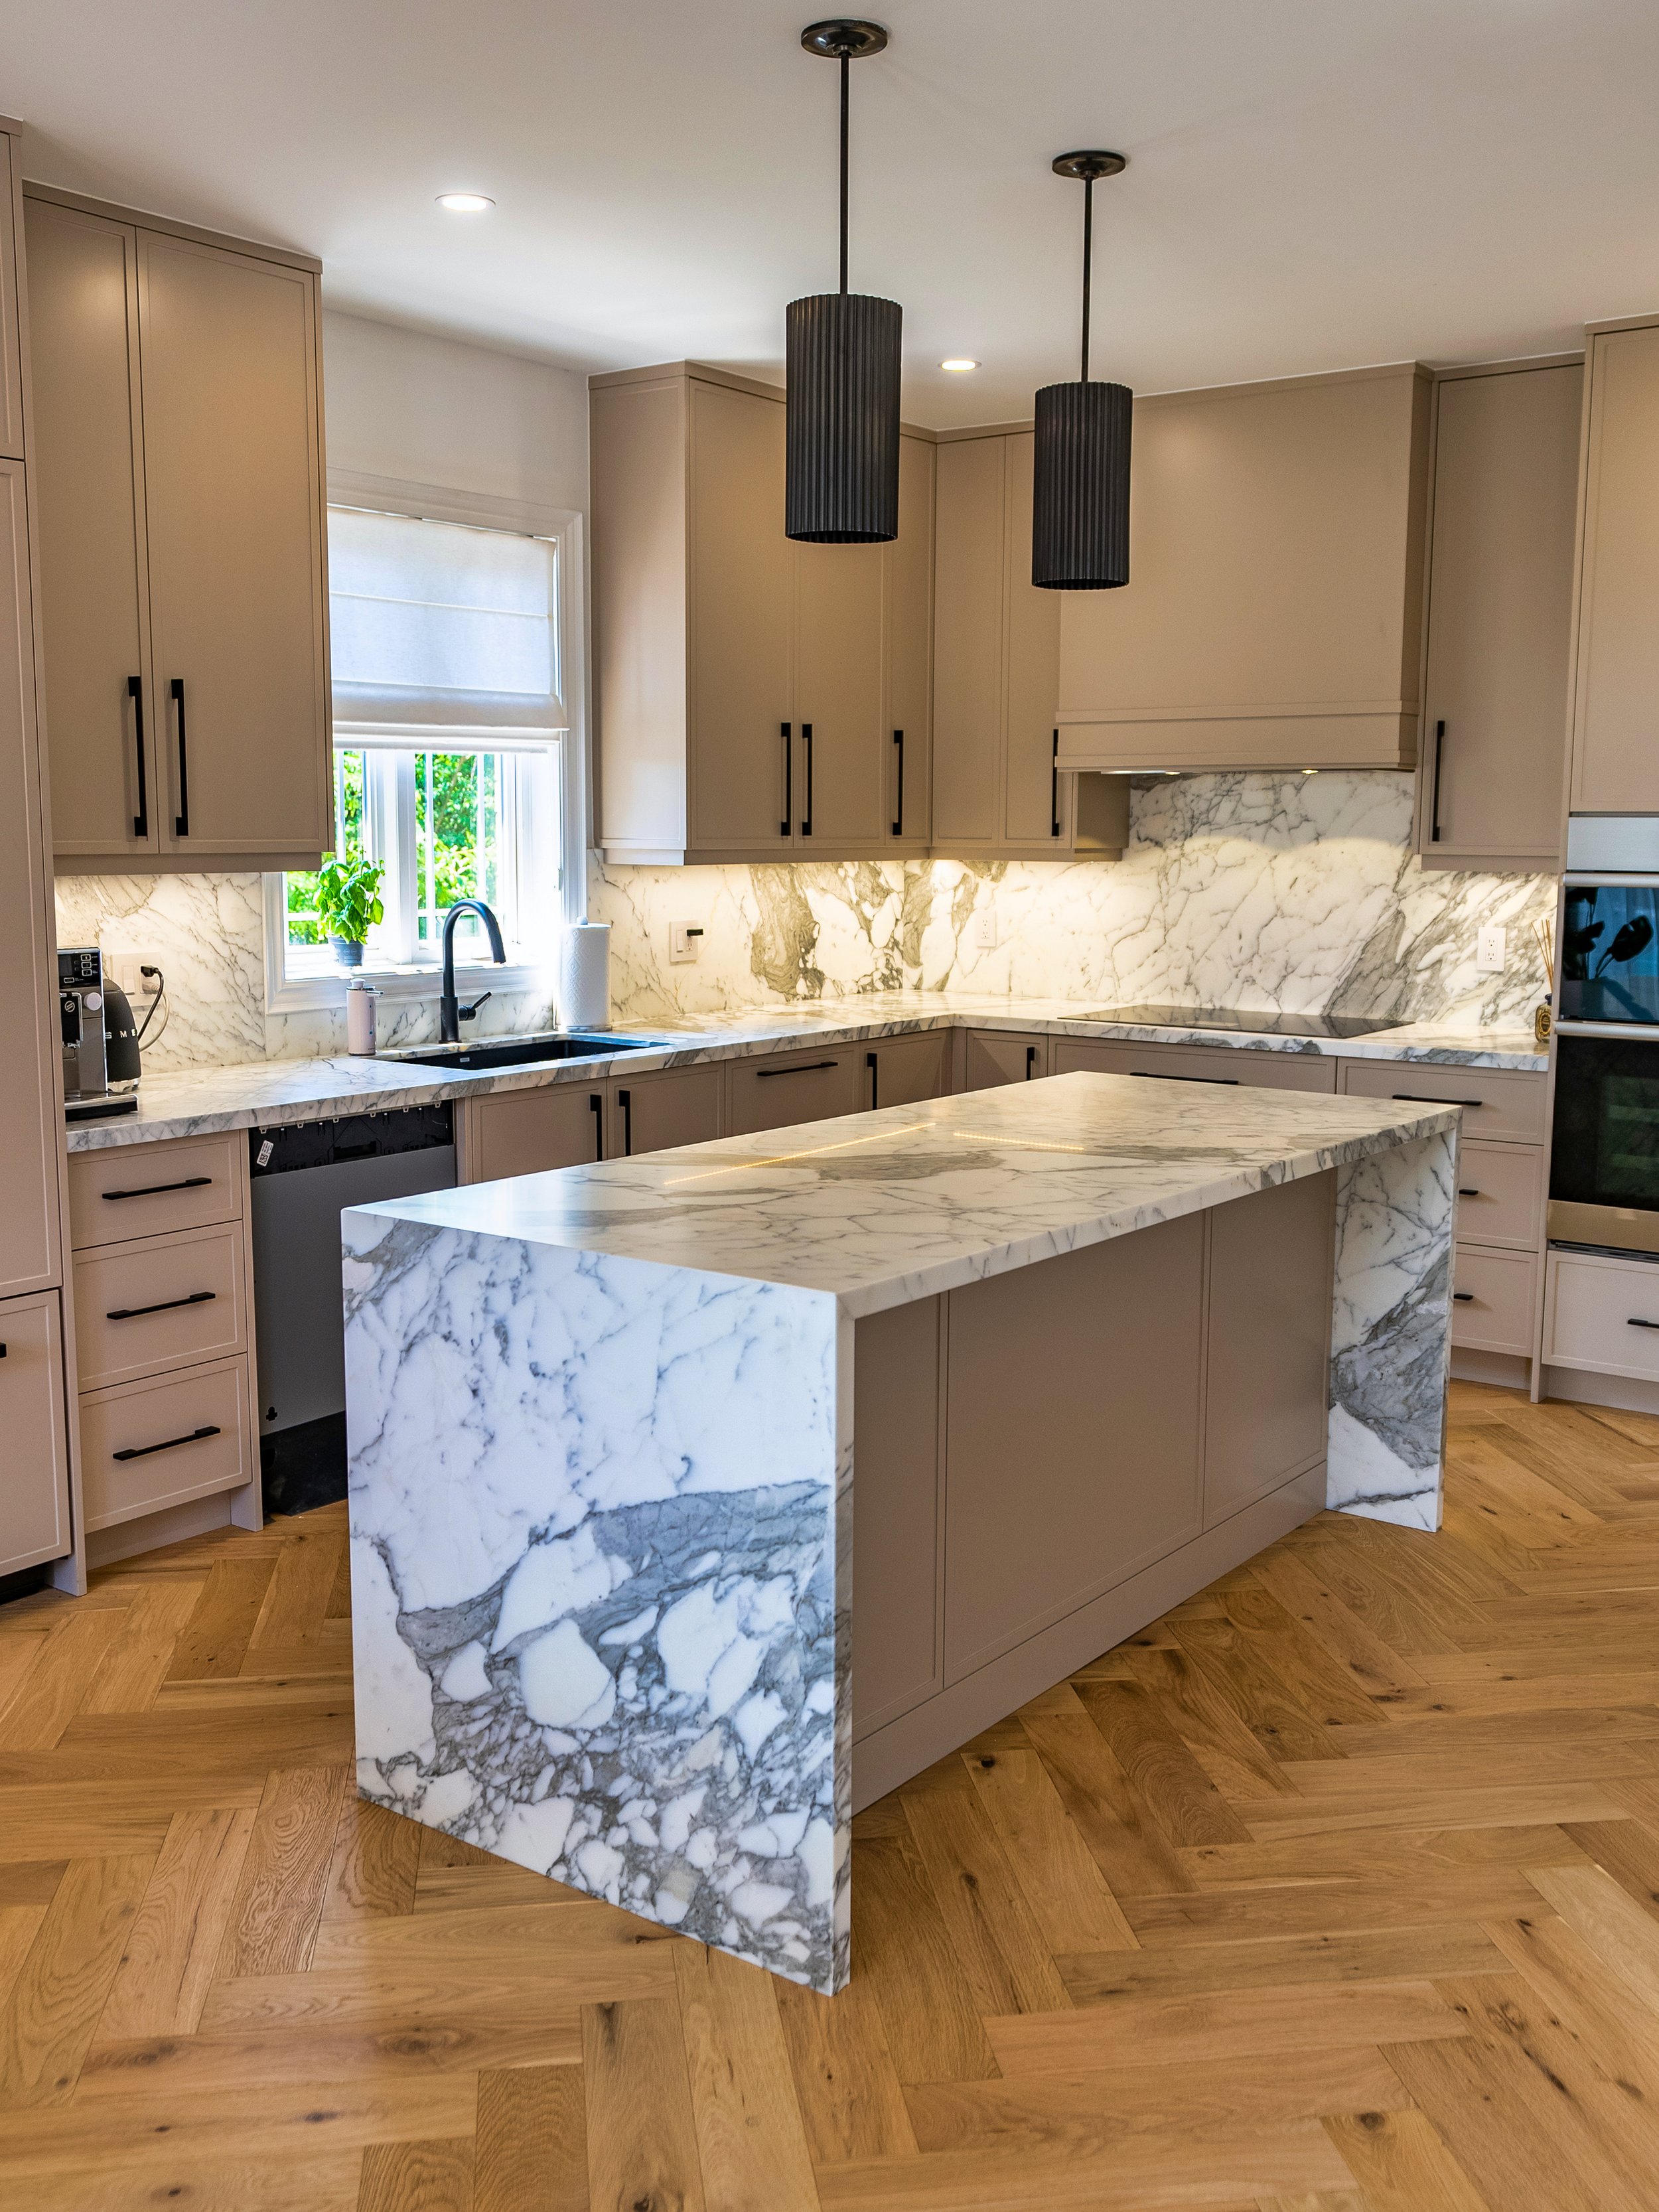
[94, 1018]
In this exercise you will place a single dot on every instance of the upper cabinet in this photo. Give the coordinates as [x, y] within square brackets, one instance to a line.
[1505, 503]
[1273, 614]
[180, 448]
[1615, 760]
[757, 699]
[11, 309]
[999, 790]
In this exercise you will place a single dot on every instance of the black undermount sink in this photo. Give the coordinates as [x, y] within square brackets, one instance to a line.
[524, 1052]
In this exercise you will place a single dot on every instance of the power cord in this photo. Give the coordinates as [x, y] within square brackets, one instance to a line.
[156, 1003]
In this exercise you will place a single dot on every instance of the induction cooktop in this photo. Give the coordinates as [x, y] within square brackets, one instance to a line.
[1254, 1018]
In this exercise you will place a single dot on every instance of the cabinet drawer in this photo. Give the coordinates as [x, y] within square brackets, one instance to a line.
[787, 1087]
[142, 1190]
[187, 1436]
[1500, 1194]
[519, 1133]
[164, 1302]
[34, 1520]
[1492, 1299]
[1195, 1063]
[1602, 1314]
[1496, 1103]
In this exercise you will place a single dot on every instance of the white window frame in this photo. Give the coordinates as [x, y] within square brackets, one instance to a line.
[301, 992]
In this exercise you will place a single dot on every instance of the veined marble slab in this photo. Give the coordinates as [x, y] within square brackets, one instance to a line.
[193, 1102]
[600, 1424]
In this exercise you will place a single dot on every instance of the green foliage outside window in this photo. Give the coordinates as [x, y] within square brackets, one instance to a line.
[305, 921]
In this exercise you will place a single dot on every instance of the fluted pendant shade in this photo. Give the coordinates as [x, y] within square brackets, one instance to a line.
[843, 470]
[1080, 493]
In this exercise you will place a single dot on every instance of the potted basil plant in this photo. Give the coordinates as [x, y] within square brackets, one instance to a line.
[349, 904]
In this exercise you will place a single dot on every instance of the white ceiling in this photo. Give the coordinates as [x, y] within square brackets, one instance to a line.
[1313, 183]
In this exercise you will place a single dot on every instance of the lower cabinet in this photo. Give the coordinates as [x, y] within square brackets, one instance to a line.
[902, 1071]
[35, 1509]
[990, 1057]
[1195, 1063]
[149, 1446]
[568, 1124]
[656, 1112]
[1602, 1314]
[777, 1090]
[1493, 1299]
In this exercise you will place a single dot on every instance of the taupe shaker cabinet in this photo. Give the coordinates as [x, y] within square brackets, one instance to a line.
[1504, 508]
[1273, 618]
[181, 498]
[1616, 681]
[757, 699]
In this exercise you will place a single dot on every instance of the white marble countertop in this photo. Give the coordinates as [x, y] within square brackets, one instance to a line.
[923, 1199]
[192, 1102]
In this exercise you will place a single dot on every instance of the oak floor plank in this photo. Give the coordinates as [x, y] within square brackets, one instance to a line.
[1466, 1894]
[172, 1946]
[1206, 1722]
[1612, 1923]
[1009, 1966]
[641, 2138]
[1563, 1970]
[377, 1857]
[416, 2177]
[52, 2009]
[295, 1602]
[899, 1941]
[1264, 1700]
[1176, 1791]
[215, 1639]
[1062, 1883]
[1629, 1851]
[52, 1690]
[329, 2184]
[531, 2149]
[1392, 1955]
[846, 2084]
[1377, 1670]
[279, 1900]
[136, 1665]
[1130, 1849]
[1402, 2164]
[751, 2145]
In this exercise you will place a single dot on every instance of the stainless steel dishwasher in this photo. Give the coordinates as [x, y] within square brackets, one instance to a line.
[303, 1175]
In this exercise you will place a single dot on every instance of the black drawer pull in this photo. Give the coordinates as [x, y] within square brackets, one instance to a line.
[1434, 811]
[1416, 1098]
[181, 820]
[168, 1444]
[807, 1067]
[154, 1190]
[1030, 1061]
[596, 1106]
[898, 824]
[167, 1305]
[1464, 1297]
[789, 779]
[1636, 1321]
[625, 1100]
[135, 693]
[1468, 1191]
[1054, 789]
[806, 739]
[1151, 1075]
[874, 1065]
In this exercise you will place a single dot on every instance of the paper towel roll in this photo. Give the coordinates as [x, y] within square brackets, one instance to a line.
[585, 976]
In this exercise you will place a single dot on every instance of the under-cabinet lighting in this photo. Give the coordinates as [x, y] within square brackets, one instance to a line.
[465, 202]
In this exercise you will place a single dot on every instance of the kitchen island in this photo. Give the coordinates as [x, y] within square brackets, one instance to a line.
[1109, 1336]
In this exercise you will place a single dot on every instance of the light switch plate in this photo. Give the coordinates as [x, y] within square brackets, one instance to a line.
[685, 940]
[1491, 950]
[985, 930]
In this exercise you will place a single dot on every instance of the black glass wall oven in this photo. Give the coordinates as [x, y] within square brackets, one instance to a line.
[1604, 1151]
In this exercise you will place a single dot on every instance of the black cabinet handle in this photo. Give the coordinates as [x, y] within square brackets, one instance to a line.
[1469, 1192]
[167, 1443]
[1636, 1321]
[181, 820]
[135, 693]
[807, 734]
[167, 1305]
[898, 824]
[871, 1063]
[1416, 1098]
[1434, 800]
[1464, 1297]
[807, 1067]
[625, 1100]
[1151, 1075]
[1053, 790]
[154, 1190]
[597, 1105]
[787, 729]
[1030, 1061]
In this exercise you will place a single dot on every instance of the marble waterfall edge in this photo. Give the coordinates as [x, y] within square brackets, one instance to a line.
[625, 1664]
[1391, 1332]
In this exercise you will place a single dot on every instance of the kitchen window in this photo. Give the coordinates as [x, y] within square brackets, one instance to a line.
[457, 751]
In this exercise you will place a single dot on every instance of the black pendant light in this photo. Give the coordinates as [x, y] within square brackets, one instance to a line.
[1080, 502]
[842, 483]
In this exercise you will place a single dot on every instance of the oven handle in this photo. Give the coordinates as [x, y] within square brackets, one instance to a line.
[1638, 1032]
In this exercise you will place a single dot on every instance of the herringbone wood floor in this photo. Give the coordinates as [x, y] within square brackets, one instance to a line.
[1335, 1891]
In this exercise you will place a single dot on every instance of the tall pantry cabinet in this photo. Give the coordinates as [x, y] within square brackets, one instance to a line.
[35, 1516]
[178, 412]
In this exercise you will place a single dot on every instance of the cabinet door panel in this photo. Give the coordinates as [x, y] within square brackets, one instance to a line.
[971, 540]
[653, 1113]
[896, 1513]
[1074, 1424]
[839, 695]
[1500, 607]
[519, 1133]
[11, 347]
[741, 612]
[995, 1056]
[1615, 764]
[1197, 1063]
[903, 1071]
[1035, 798]
[30, 1129]
[776, 1092]
[84, 330]
[34, 1518]
[231, 409]
[910, 648]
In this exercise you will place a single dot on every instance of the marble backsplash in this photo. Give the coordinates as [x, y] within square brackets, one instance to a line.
[1287, 891]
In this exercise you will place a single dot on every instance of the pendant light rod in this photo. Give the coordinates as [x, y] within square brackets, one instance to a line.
[846, 69]
[1086, 167]
[1088, 262]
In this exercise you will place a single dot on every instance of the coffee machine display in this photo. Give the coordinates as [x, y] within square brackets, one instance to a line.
[92, 1039]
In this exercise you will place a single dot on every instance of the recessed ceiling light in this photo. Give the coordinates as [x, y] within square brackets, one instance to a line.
[465, 202]
[957, 367]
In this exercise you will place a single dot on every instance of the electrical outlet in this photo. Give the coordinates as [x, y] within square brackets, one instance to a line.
[685, 940]
[985, 930]
[1490, 949]
[122, 971]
